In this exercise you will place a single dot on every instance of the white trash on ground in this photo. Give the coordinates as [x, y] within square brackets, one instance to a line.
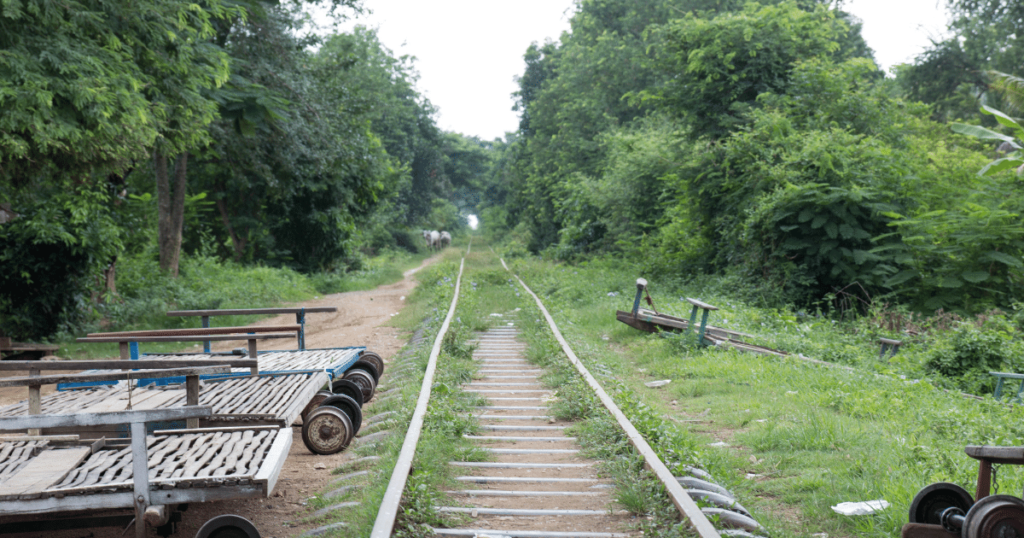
[656, 384]
[861, 508]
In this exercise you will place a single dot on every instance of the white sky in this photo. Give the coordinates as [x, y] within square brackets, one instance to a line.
[469, 51]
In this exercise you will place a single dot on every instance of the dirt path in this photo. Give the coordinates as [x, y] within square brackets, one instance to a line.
[361, 319]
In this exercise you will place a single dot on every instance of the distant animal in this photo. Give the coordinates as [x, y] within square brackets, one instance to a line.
[426, 237]
[435, 240]
[446, 239]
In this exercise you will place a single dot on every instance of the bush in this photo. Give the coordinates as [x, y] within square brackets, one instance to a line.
[43, 285]
[971, 352]
[203, 283]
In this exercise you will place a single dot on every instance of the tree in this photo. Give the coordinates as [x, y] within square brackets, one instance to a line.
[952, 75]
[290, 171]
[721, 65]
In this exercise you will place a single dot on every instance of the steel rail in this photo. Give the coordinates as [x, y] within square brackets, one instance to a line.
[385, 522]
[683, 503]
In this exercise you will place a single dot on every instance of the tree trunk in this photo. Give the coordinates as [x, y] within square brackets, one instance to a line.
[237, 242]
[170, 210]
[111, 277]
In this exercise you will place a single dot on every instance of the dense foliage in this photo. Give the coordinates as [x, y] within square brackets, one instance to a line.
[759, 142]
[271, 145]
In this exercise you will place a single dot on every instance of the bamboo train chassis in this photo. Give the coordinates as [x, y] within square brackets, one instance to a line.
[227, 434]
[51, 483]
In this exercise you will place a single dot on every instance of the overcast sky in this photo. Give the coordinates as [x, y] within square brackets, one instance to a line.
[469, 51]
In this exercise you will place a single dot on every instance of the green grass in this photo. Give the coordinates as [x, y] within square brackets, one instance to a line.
[206, 283]
[814, 436]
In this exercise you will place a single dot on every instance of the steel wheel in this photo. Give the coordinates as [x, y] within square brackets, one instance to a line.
[319, 397]
[367, 384]
[995, 516]
[370, 367]
[374, 358]
[327, 431]
[228, 526]
[348, 388]
[349, 406]
[931, 501]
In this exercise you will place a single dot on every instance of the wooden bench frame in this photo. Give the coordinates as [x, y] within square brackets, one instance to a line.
[703, 320]
[129, 345]
[7, 345]
[300, 317]
[641, 286]
[137, 421]
[154, 369]
[889, 346]
[1002, 376]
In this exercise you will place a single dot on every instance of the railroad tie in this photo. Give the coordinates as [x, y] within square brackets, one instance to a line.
[537, 473]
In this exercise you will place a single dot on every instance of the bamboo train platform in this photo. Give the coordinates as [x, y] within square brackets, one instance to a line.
[206, 426]
[263, 399]
[334, 362]
[51, 483]
[184, 466]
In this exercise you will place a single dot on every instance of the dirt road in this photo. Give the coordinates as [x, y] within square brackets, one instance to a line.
[361, 319]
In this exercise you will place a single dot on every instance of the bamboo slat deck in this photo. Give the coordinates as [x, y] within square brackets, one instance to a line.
[332, 361]
[191, 467]
[266, 398]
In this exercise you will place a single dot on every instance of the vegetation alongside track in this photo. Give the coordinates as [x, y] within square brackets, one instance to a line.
[205, 282]
[798, 437]
[405, 376]
[814, 436]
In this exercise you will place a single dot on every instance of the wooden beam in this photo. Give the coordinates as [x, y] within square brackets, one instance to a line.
[273, 462]
[252, 311]
[224, 429]
[35, 400]
[200, 332]
[18, 438]
[254, 353]
[212, 338]
[104, 419]
[192, 398]
[142, 364]
[110, 376]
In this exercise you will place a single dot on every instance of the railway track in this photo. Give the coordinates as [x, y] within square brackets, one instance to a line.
[536, 484]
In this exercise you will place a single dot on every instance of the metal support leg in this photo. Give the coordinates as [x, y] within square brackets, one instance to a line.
[192, 398]
[34, 401]
[640, 285]
[206, 325]
[300, 318]
[703, 327]
[253, 354]
[984, 480]
[999, 389]
[140, 476]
